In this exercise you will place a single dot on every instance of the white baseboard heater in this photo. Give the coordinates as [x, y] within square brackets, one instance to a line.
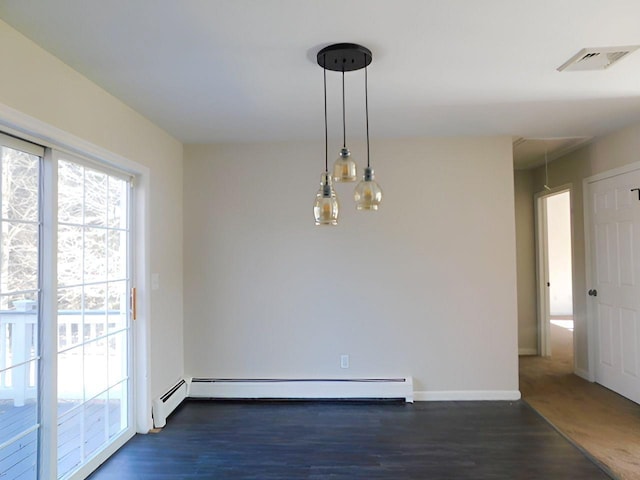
[167, 403]
[311, 388]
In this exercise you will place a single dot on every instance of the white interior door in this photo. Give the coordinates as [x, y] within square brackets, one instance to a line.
[614, 208]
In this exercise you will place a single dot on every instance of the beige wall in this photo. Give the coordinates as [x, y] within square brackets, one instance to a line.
[615, 150]
[526, 262]
[425, 286]
[41, 86]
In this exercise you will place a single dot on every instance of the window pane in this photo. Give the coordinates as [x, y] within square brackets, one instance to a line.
[117, 409]
[95, 424]
[70, 330]
[117, 252]
[117, 304]
[18, 407]
[70, 192]
[18, 459]
[95, 311]
[95, 368]
[20, 189]
[117, 357]
[69, 441]
[95, 196]
[70, 379]
[69, 255]
[117, 203]
[95, 255]
[19, 269]
[18, 329]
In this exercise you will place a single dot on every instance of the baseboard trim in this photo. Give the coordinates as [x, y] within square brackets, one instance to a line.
[583, 374]
[527, 351]
[466, 395]
[303, 388]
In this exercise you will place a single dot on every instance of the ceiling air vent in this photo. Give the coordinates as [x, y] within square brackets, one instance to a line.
[589, 59]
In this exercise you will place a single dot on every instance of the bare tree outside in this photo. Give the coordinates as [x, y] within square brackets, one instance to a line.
[86, 238]
[20, 216]
[90, 242]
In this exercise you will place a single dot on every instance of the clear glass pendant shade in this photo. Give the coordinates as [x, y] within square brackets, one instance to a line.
[368, 193]
[344, 168]
[325, 208]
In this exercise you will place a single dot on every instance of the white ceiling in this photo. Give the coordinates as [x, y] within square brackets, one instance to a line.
[242, 70]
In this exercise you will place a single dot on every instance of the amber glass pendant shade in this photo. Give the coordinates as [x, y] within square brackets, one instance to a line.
[344, 168]
[368, 193]
[325, 207]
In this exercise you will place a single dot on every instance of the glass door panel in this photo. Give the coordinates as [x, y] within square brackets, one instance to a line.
[20, 230]
[93, 323]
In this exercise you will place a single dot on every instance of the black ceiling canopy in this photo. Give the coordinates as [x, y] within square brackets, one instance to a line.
[344, 57]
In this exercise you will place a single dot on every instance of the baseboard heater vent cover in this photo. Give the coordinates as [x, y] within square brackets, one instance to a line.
[167, 403]
[302, 388]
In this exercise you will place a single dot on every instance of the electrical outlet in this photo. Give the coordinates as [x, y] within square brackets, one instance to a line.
[344, 361]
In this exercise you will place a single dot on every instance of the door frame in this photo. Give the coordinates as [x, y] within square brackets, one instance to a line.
[542, 266]
[592, 330]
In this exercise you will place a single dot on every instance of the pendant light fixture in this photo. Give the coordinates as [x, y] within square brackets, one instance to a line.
[325, 208]
[344, 168]
[345, 57]
[368, 193]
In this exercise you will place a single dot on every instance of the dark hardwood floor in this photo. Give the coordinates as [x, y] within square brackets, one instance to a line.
[351, 440]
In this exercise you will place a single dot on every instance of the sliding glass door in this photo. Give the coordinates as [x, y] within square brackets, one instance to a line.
[65, 327]
[20, 233]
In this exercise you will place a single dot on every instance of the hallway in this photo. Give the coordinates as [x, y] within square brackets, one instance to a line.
[600, 421]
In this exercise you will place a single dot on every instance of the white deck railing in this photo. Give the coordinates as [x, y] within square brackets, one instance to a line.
[18, 330]
[19, 349]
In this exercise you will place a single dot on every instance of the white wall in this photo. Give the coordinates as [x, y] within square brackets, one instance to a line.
[425, 286]
[39, 85]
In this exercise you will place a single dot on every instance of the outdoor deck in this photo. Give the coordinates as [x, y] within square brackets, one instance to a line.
[81, 431]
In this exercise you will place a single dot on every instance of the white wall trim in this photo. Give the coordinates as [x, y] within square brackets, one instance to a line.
[30, 128]
[584, 374]
[591, 335]
[527, 351]
[542, 264]
[466, 395]
[34, 130]
[307, 388]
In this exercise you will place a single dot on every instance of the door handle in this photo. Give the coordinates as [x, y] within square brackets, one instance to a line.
[593, 293]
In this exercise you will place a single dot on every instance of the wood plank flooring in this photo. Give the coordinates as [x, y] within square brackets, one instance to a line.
[602, 422]
[351, 440]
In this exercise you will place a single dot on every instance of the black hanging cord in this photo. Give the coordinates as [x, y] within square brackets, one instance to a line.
[344, 118]
[366, 106]
[326, 132]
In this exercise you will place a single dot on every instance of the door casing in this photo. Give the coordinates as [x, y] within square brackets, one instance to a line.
[542, 266]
